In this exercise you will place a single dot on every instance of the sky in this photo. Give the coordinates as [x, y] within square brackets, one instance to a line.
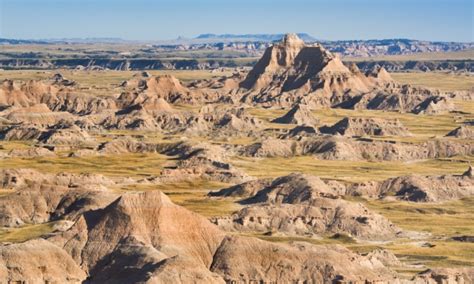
[443, 20]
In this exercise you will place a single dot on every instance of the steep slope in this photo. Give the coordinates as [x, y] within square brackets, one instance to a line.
[292, 72]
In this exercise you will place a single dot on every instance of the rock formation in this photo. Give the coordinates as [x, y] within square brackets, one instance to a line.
[463, 131]
[146, 238]
[291, 72]
[419, 188]
[304, 205]
[299, 114]
[367, 126]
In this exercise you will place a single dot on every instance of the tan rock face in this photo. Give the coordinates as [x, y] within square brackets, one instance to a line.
[299, 114]
[367, 126]
[150, 218]
[303, 205]
[144, 237]
[38, 261]
[299, 262]
[291, 72]
[419, 188]
[56, 97]
[345, 148]
[464, 131]
[446, 275]
[160, 241]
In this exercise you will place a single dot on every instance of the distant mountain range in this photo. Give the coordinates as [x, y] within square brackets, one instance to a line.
[253, 45]
[252, 37]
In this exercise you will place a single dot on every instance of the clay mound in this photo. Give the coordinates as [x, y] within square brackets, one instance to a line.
[218, 120]
[341, 148]
[132, 100]
[344, 148]
[198, 167]
[68, 135]
[419, 188]
[201, 161]
[294, 189]
[31, 153]
[446, 275]
[244, 260]
[150, 115]
[367, 126]
[61, 134]
[58, 98]
[126, 145]
[377, 72]
[168, 88]
[23, 132]
[58, 79]
[43, 202]
[37, 115]
[300, 132]
[40, 198]
[146, 224]
[299, 204]
[299, 114]
[385, 257]
[270, 147]
[22, 95]
[463, 131]
[246, 189]
[185, 150]
[81, 104]
[402, 98]
[320, 216]
[38, 261]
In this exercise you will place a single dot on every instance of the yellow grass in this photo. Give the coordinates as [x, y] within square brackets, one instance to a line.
[132, 165]
[437, 80]
[25, 233]
[351, 171]
[423, 127]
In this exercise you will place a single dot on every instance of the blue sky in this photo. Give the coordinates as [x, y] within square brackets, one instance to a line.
[447, 20]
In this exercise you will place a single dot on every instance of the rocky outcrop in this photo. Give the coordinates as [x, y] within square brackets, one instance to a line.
[143, 227]
[39, 198]
[215, 120]
[164, 87]
[300, 132]
[463, 131]
[367, 126]
[156, 241]
[144, 237]
[38, 261]
[304, 205]
[245, 260]
[343, 148]
[62, 134]
[200, 161]
[419, 188]
[291, 72]
[299, 114]
[56, 97]
[446, 275]
[39, 115]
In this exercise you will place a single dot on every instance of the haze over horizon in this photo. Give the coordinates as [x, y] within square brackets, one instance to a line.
[439, 20]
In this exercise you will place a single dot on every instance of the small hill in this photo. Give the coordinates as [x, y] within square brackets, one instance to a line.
[367, 126]
[463, 131]
[299, 114]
